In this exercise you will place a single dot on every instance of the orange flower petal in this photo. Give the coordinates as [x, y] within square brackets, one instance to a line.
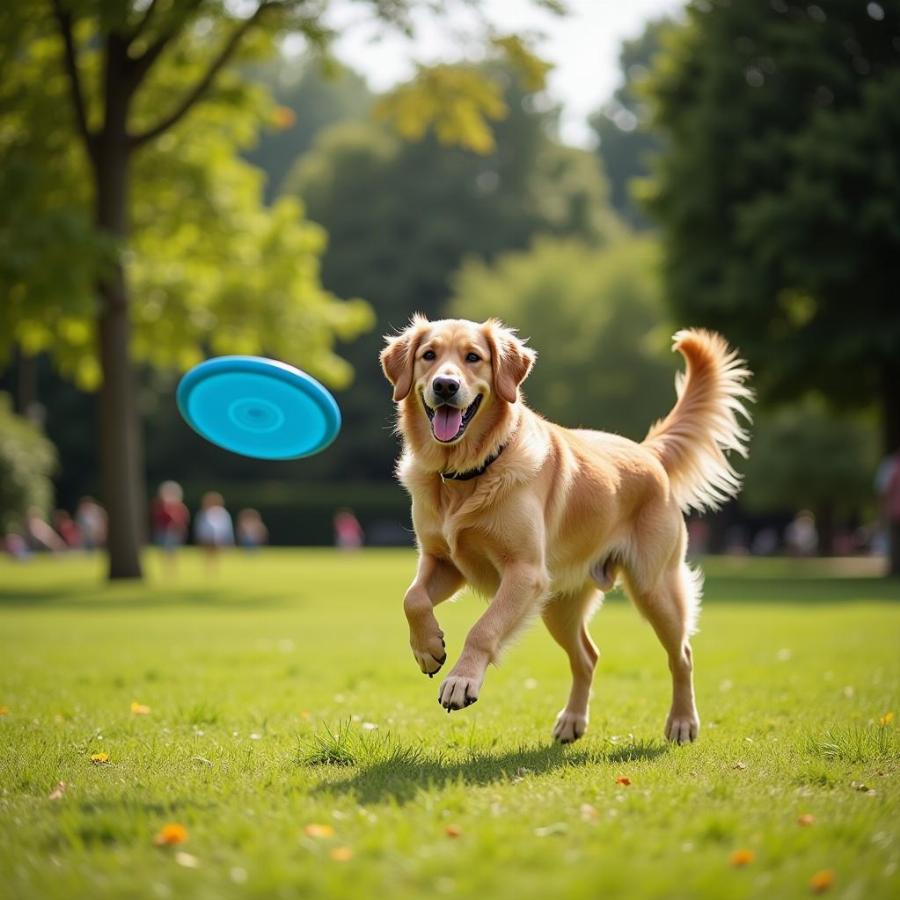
[821, 881]
[138, 709]
[98, 759]
[453, 831]
[341, 854]
[806, 819]
[741, 858]
[623, 780]
[4, 710]
[170, 834]
[886, 719]
[315, 830]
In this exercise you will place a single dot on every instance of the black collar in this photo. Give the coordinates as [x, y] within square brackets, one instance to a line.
[472, 473]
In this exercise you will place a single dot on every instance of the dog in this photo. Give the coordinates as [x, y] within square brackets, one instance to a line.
[544, 519]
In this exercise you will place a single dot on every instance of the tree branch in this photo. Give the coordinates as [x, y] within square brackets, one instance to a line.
[64, 21]
[141, 64]
[203, 85]
[142, 23]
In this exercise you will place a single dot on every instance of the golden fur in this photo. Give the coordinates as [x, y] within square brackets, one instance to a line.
[560, 515]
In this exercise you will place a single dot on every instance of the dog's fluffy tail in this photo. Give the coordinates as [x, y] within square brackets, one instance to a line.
[693, 439]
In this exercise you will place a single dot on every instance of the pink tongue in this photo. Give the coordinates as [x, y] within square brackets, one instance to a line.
[447, 422]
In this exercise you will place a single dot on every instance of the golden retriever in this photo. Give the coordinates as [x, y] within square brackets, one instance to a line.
[544, 519]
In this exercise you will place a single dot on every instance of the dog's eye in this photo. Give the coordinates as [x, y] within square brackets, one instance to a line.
[473, 357]
[429, 355]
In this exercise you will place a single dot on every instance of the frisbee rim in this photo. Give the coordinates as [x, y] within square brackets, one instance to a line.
[295, 378]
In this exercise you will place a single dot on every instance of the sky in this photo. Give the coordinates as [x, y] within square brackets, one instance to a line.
[584, 46]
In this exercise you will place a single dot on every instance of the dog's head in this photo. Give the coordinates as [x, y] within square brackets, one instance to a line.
[457, 376]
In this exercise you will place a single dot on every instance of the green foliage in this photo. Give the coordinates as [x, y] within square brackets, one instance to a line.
[27, 460]
[211, 267]
[460, 102]
[780, 190]
[805, 457]
[310, 97]
[626, 141]
[595, 317]
[401, 217]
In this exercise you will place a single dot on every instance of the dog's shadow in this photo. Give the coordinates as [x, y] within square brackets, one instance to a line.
[402, 776]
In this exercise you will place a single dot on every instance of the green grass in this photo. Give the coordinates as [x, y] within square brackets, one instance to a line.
[283, 693]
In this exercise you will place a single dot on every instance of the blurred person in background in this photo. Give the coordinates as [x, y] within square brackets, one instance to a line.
[170, 518]
[251, 530]
[66, 529]
[90, 517]
[802, 536]
[213, 528]
[348, 533]
[38, 533]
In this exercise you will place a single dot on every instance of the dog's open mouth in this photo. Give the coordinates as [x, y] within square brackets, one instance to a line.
[449, 422]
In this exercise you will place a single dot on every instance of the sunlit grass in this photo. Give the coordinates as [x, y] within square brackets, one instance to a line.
[273, 710]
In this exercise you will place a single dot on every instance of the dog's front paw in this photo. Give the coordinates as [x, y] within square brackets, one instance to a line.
[682, 728]
[458, 691]
[569, 727]
[429, 650]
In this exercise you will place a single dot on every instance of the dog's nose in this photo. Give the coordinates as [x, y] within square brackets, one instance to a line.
[445, 388]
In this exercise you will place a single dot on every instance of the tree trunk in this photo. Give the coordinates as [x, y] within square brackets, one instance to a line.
[26, 385]
[121, 453]
[890, 397]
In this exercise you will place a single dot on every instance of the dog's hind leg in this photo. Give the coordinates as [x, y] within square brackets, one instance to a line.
[671, 602]
[566, 617]
[436, 580]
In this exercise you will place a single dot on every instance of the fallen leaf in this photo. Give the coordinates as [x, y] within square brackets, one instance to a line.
[170, 834]
[741, 858]
[58, 791]
[341, 854]
[821, 881]
[886, 719]
[806, 819]
[139, 709]
[588, 813]
[188, 860]
[739, 765]
[622, 779]
[315, 830]
[98, 759]
[453, 831]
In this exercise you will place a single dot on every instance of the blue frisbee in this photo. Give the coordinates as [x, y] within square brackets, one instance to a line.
[258, 407]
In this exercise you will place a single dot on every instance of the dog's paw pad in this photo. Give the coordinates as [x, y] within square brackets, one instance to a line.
[458, 692]
[682, 729]
[569, 727]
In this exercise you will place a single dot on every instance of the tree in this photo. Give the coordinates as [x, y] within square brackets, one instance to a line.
[151, 95]
[402, 216]
[311, 95]
[779, 192]
[27, 460]
[806, 457]
[626, 142]
[595, 318]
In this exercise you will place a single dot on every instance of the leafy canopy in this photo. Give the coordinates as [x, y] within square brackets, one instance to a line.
[27, 460]
[211, 268]
[779, 194]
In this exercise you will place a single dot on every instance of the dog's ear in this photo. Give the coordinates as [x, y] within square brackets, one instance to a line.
[399, 356]
[511, 360]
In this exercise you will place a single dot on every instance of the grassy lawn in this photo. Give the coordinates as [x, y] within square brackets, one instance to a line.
[282, 694]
